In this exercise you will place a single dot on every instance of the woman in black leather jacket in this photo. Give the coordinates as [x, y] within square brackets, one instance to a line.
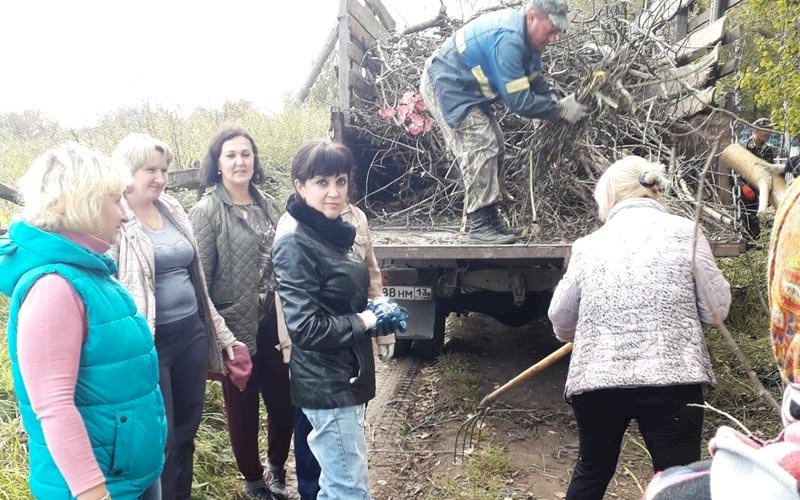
[322, 284]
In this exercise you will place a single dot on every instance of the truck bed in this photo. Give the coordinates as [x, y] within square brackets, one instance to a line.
[449, 244]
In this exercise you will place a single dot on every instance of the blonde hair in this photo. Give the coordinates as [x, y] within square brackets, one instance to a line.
[629, 177]
[64, 189]
[136, 149]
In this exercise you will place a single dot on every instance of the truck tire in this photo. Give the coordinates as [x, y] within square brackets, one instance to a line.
[402, 347]
[431, 348]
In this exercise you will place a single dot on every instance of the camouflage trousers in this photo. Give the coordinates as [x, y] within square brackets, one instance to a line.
[477, 144]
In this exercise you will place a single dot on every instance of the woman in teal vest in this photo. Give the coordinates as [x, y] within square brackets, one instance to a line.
[84, 367]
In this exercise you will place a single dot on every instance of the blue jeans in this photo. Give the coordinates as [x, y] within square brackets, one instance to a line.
[153, 492]
[337, 440]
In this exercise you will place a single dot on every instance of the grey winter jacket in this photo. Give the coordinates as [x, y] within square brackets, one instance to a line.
[635, 304]
[133, 253]
[229, 253]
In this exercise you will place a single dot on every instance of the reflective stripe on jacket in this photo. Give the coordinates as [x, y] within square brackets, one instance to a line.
[487, 59]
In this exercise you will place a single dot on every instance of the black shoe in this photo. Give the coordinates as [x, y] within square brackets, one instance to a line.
[501, 227]
[277, 482]
[257, 491]
[484, 231]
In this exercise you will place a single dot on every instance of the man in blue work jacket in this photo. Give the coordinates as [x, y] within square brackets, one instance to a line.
[497, 56]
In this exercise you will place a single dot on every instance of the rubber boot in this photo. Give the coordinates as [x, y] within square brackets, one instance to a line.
[484, 232]
[501, 227]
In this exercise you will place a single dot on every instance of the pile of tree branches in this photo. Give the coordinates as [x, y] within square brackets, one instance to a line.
[619, 63]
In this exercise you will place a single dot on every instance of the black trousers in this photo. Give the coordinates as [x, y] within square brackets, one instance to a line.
[270, 380]
[671, 430]
[182, 349]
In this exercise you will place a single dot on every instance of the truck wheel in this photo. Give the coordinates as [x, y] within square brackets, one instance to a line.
[431, 348]
[402, 347]
[515, 318]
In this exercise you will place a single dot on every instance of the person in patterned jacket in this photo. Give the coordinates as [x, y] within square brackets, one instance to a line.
[634, 301]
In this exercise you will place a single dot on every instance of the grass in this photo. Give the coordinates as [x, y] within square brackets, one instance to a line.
[14, 458]
[485, 476]
[487, 470]
[458, 380]
[749, 325]
[215, 473]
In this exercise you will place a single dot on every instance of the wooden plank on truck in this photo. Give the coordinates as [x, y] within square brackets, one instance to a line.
[692, 104]
[379, 9]
[661, 11]
[699, 20]
[675, 80]
[357, 55]
[359, 35]
[692, 46]
[361, 88]
[343, 97]
[366, 19]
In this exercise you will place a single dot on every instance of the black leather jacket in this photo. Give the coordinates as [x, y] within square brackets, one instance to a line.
[322, 285]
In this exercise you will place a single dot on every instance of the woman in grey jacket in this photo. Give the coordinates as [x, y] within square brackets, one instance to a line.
[235, 225]
[634, 299]
[158, 262]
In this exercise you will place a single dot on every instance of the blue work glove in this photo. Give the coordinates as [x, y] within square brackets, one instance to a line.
[397, 320]
[391, 318]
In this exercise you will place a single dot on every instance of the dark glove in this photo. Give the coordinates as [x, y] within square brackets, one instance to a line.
[391, 318]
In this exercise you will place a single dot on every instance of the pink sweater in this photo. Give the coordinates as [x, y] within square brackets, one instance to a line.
[52, 330]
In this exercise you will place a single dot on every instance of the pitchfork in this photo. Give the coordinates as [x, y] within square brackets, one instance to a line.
[466, 433]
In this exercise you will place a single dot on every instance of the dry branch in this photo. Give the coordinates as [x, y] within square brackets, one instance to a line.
[416, 178]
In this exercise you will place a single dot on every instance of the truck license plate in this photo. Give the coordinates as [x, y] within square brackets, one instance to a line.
[408, 292]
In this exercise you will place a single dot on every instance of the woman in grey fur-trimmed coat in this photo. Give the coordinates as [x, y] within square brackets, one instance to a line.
[634, 300]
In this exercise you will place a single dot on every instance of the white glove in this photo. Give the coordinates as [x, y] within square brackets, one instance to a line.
[775, 168]
[385, 352]
[229, 350]
[368, 319]
[571, 110]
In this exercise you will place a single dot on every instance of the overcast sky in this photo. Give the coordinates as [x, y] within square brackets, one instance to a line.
[78, 59]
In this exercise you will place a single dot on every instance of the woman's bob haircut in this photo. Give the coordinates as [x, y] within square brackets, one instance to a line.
[321, 158]
[64, 189]
[629, 177]
[136, 149]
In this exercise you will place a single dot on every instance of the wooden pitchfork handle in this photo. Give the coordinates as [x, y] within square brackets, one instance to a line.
[530, 372]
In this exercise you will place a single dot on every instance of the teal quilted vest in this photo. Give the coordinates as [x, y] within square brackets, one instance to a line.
[117, 391]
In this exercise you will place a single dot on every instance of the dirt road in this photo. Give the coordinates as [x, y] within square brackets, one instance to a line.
[529, 443]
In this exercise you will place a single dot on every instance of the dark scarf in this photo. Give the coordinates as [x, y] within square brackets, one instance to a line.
[336, 231]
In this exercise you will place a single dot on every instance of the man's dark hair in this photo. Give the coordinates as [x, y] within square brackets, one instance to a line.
[209, 169]
[321, 157]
